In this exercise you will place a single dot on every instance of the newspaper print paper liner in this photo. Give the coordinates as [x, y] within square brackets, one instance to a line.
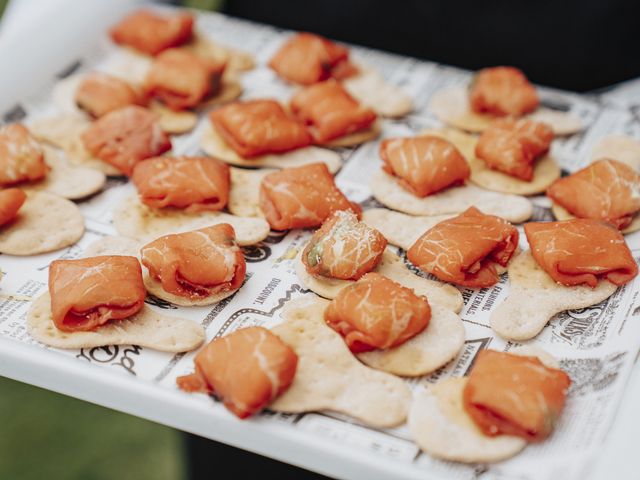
[214, 145]
[622, 148]
[441, 427]
[534, 298]
[391, 266]
[453, 200]
[329, 377]
[133, 219]
[545, 172]
[128, 246]
[373, 91]
[451, 106]
[562, 213]
[45, 223]
[65, 180]
[147, 328]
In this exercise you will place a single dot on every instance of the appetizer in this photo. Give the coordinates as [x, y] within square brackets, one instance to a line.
[572, 264]
[301, 197]
[466, 250]
[100, 93]
[246, 369]
[200, 267]
[507, 400]
[11, 200]
[99, 301]
[190, 183]
[605, 190]
[126, 136]
[497, 92]
[333, 116]
[427, 175]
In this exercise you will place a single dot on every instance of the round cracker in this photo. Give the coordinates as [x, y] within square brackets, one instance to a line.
[147, 328]
[357, 138]
[562, 213]
[214, 145]
[173, 122]
[230, 90]
[113, 245]
[329, 377]
[455, 200]
[398, 228]
[154, 287]
[244, 196]
[441, 427]
[45, 223]
[451, 107]
[129, 65]
[534, 298]
[135, 220]
[425, 353]
[622, 148]
[67, 181]
[64, 131]
[373, 91]
[391, 266]
[545, 172]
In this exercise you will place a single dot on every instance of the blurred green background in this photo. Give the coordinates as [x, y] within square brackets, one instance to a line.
[44, 435]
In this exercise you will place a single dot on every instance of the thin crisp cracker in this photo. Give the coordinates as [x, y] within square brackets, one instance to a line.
[214, 145]
[244, 196]
[534, 298]
[64, 131]
[147, 328]
[373, 91]
[45, 223]
[391, 266]
[357, 138]
[398, 228]
[235, 60]
[329, 377]
[622, 148]
[441, 427]
[135, 220]
[65, 180]
[545, 172]
[425, 353]
[451, 107]
[562, 213]
[455, 200]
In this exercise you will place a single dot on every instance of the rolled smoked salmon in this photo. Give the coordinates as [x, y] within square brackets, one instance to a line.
[512, 146]
[88, 292]
[21, 157]
[344, 248]
[502, 91]
[196, 264]
[257, 127]
[307, 58]
[152, 33]
[181, 79]
[509, 394]
[464, 250]
[424, 165]
[605, 190]
[192, 183]
[301, 197]
[246, 369]
[376, 312]
[100, 93]
[11, 200]
[581, 251]
[330, 111]
[126, 136]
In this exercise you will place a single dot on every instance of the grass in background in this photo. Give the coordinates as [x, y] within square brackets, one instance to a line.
[44, 435]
